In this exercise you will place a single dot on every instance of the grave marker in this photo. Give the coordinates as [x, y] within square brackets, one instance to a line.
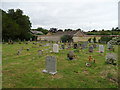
[55, 48]
[50, 65]
[101, 48]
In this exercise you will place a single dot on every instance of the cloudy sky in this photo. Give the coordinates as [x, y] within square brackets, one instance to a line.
[74, 14]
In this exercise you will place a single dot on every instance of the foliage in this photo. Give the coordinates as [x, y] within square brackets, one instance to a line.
[106, 39]
[53, 30]
[44, 31]
[15, 25]
[115, 41]
[89, 40]
[94, 39]
[66, 38]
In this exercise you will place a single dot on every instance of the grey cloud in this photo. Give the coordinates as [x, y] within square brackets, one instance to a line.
[96, 14]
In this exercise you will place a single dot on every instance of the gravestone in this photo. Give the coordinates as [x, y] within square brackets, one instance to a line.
[94, 45]
[71, 55]
[18, 53]
[111, 58]
[40, 52]
[82, 46]
[62, 46]
[110, 46]
[22, 48]
[75, 46]
[50, 65]
[27, 49]
[91, 49]
[55, 48]
[101, 48]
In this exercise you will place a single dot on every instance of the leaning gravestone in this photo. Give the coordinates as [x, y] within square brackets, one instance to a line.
[110, 58]
[101, 48]
[55, 48]
[91, 49]
[50, 65]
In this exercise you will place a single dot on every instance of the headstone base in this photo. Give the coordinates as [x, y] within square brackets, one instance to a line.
[53, 73]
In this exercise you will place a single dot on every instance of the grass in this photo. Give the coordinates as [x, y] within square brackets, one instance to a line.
[25, 70]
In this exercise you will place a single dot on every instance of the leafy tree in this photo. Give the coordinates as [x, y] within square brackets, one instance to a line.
[15, 25]
[66, 38]
[94, 40]
[89, 40]
[53, 30]
[44, 31]
[106, 39]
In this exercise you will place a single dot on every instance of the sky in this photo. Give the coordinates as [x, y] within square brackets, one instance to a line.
[63, 14]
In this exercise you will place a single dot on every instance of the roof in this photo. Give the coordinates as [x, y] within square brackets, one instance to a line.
[36, 32]
[61, 33]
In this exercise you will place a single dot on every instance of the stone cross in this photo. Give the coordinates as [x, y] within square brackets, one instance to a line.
[55, 48]
[50, 65]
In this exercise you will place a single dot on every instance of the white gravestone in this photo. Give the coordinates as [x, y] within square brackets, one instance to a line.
[50, 65]
[101, 48]
[55, 48]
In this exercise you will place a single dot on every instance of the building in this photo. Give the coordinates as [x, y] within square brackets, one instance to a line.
[77, 36]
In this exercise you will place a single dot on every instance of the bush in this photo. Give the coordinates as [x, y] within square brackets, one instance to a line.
[105, 39]
[66, 38]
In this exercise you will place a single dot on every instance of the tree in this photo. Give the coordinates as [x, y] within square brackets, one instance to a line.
[89, 40]
[53, 30]
[15, 25]
[106, 39]
[44, 31]
[94, 39]
[66, 38]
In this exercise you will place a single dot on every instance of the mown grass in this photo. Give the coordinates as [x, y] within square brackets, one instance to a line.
[25, 70]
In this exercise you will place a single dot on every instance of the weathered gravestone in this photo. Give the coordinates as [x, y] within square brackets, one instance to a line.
[101, 48]
[75, 46]
[111, 58]
[91, 49]
[55, 48]
[71, 55]
[50, 65]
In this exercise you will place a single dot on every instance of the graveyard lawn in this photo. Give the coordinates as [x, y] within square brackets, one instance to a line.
[25, 70]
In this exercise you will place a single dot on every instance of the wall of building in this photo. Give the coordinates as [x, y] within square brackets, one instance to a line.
[78, 39]
[49, 38]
